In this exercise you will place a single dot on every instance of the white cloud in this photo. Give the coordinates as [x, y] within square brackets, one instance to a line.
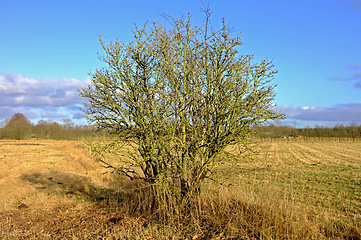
[54, 99]
[307, 107]
[16, 90]
[15, 84]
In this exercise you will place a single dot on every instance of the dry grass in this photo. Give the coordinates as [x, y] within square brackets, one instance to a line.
[289, 190]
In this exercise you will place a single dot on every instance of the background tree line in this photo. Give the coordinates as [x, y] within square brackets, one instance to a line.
[19, 127]
[338, 131]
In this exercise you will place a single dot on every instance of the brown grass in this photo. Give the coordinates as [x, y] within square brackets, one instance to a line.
[289, 190]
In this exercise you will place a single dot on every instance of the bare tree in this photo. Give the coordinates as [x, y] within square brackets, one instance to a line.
[177, 96]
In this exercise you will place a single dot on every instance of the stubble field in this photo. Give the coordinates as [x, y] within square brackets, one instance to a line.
[298, 189]
[322, 174]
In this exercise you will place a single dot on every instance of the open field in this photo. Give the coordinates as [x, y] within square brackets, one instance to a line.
[324, 175]
[285, 189]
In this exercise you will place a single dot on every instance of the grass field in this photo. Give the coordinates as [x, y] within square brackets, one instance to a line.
[283, 190]
[324, 175]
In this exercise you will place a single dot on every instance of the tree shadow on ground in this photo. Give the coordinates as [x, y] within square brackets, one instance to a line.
[57, 182]
[67, 183]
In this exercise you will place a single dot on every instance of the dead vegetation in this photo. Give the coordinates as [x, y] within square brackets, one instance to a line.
[52, 190]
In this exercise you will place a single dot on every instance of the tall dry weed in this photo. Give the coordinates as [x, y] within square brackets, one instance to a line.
[223, 213]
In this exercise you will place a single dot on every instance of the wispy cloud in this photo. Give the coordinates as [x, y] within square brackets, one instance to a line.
[39, 98]
[354, 77]
[355, 4]
[357, 74]
[355, 66]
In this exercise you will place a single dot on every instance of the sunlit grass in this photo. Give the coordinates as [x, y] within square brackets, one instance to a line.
[283, 190]
[325, 176]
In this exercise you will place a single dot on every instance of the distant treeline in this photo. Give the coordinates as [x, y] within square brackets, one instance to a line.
[272, 131]
[19, 128]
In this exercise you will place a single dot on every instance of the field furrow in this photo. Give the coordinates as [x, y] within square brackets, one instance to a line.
[318, 153]
[302, 155]
[342, 152]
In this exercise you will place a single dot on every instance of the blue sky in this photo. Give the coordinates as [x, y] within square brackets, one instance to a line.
[47, 49]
